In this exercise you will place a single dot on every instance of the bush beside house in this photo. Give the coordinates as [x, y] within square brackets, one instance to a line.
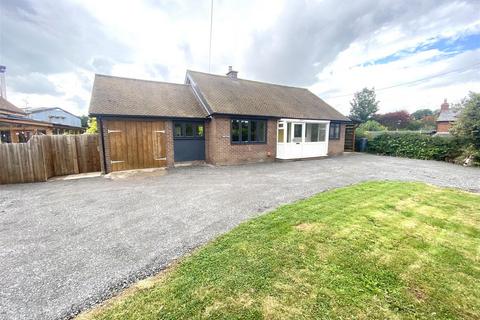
[417, 146]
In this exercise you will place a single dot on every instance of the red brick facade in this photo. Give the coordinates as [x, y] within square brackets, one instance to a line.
[220, 151]
[443, 126]
[336, 147]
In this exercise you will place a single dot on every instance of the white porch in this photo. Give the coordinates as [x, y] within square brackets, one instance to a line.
[298, 139]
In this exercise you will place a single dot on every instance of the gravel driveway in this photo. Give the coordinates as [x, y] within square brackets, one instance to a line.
[66, 245]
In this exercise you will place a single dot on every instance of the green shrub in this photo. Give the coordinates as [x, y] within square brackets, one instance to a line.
[366, 127]
[417, 146]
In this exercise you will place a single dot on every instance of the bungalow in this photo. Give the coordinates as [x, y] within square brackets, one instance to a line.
[446, 118]
[212, 118]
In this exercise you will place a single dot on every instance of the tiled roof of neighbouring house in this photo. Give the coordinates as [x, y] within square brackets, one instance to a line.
[9, 107]
[449, 116]
[123, 96]
[225, 95]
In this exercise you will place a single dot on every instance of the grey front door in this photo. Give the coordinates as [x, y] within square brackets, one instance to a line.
[188, 140]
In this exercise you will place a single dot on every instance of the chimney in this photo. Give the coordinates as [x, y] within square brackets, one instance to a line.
[232, 74]
[3, 85]
[444, 106]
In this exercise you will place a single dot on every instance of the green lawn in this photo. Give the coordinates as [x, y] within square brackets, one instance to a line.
[375, 250]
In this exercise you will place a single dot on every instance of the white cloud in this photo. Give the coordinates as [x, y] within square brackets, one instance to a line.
[315, 43]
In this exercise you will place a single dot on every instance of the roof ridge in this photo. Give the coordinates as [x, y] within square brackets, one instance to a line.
[256, 81]
[141, 80]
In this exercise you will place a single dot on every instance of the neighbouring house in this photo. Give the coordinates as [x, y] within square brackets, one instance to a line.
[212, 118]
[446, 118]
[16, 126]
[64, 121]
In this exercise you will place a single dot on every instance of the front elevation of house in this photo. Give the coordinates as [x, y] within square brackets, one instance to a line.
[212, 118]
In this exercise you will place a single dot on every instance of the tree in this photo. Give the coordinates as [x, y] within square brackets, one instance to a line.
[84, 121]
[92, 125]
[364, 105]
[421, 113]
[394, 120]
[467, 125]
[429, 122]
[368, 126]
[371, 125]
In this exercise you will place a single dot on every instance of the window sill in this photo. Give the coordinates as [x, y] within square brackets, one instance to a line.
[188, 138]
[245, 143]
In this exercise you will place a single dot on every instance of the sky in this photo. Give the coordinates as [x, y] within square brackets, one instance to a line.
[415, 53]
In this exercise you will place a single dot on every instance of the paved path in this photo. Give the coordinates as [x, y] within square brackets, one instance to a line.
[66, 245]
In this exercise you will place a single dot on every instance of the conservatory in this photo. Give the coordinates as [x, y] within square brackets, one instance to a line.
[298, 139]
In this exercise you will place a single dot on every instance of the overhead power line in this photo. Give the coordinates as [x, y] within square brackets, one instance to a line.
[414, 81]
[210, 46]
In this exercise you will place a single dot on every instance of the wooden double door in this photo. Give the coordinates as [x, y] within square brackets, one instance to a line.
[136, 144]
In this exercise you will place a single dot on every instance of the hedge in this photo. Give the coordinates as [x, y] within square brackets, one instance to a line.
[417, 146]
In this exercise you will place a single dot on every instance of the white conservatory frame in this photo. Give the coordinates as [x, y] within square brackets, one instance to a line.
[298, 148]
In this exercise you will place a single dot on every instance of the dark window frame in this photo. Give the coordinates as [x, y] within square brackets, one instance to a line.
[249, 120]
[334, 135]
[183, 125]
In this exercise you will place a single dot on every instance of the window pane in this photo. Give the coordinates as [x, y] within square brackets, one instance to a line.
[280, 135]
[199, 132]
[311, 132]
[178, 130]
[244, 130]
[188, 130]
[334, 131]
[236, 130]
[297, 132]
[322, 131]
[289, 132]
[261, 131]
[253, 130]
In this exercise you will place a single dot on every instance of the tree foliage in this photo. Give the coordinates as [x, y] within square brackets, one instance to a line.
[372, 125]
[468, 124]
[369, 126]
[394, 120]
[364, 105]
[92, 125]
[421, 113]
[84, 121]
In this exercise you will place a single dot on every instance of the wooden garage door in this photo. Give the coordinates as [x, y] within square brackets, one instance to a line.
[136, 144]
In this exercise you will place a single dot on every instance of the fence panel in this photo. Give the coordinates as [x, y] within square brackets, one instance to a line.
[43, 157]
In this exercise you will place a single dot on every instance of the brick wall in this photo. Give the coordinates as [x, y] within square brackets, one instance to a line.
[220, 151]
[336, 147]
[443, 126]
[169, 142]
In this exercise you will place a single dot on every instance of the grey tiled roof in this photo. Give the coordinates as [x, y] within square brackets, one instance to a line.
[7, 106]
[122, 96]
[245, 97]
[449, 115]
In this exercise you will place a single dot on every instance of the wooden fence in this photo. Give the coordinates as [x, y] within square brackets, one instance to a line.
[43, 157]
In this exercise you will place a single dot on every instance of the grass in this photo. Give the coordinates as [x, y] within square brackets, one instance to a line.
[375, 250]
